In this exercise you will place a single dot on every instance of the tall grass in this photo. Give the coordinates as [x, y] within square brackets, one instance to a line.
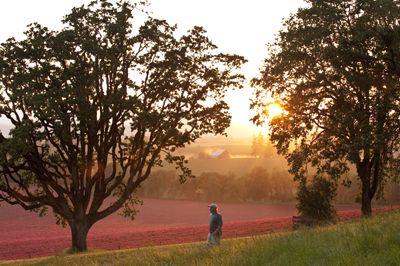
[374, 241]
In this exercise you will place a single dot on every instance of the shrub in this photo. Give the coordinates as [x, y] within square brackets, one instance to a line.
[314, 200]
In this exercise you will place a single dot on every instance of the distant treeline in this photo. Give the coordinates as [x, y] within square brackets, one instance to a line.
[351, 194]
[258, 185]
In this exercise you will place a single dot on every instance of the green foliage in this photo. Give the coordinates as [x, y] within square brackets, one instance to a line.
[314, 201]
[128, 208]
[367, 242]
[335, 70]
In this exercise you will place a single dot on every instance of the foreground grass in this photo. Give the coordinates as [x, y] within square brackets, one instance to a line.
[374, 241]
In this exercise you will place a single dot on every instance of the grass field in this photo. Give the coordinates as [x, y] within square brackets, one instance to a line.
[374, 241]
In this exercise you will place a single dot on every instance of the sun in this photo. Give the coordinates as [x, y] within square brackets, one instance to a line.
[273, 110]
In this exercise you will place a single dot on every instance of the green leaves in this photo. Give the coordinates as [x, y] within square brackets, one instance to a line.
[315, 200]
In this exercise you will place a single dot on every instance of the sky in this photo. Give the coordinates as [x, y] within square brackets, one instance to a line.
[235, 26]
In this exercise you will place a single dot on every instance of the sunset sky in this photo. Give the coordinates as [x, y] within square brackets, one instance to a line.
[235, 26]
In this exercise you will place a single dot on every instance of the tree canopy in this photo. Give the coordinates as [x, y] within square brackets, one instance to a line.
[335, 68]
[95, 106]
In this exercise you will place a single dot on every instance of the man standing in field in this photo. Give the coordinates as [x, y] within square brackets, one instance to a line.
[215, 229]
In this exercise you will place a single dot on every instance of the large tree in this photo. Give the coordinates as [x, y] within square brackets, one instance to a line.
[95, 106]
[335, 68]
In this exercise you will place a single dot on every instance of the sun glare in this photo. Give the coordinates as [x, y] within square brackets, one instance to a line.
[273, 110]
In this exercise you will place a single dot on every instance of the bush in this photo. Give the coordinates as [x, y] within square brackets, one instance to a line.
[314, 201]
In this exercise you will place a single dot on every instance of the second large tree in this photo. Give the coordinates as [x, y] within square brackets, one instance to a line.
[335, 68]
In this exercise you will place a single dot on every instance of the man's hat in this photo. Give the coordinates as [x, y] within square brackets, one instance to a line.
[213, 205]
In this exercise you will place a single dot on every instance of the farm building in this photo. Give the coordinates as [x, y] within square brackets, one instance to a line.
[220, 154]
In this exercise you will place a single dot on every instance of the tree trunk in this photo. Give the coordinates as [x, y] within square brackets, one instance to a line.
[366, 200]
[79, 231]
[364, 172]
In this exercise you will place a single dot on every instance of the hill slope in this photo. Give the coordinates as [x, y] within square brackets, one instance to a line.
[374, 241]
